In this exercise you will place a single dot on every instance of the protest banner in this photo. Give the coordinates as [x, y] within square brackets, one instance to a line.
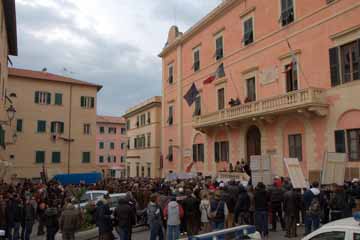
[295, 173]
[333, 168]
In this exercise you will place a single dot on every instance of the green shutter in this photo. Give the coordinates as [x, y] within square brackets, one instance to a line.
[53, 126]
[41, 126]
[48, 98]
[340, 146]
[112, 145]
[40, 157]
[194, 149]
[101, 145]
[101, 159]
[2, 137]
[86, 157]
[82, 101]
[92, 102]
[56, 157]
[61, 127]
[19, 125]
[37, 97]
[58, 99]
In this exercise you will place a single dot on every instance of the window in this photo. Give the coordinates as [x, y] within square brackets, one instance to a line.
[340, 146]
[123, 131]
[334, 235]
[148, 140]
[248, 32]
[39, 156]
[109, 159]
[128, 171]
[149, 170]
[42, 97]
[350, 61]
[251, 90]
[101, 145]
[87, 102]
[291, 77]
[198, 152]
[142, 119]
[19, 125]
[142, 171]
[87, 129]
[170, 74]
[353, 140]
[221, 98]
[138, 121]
[222, 151]
[287, 12]
[149, 117]
[58, 99]
[196, 65]
[128, 144]
[122, 145]
[114, 159]
[219, 54]
[112, 145]
[102, 130]
[128, 125]
[2, 137]
[122, 159]
[170, 153]
[197, 110]
[137, 170]
[57, 127]
[356, 236]
[112, 130]
[171, 115]
[56, 157]
[295, 146]
[85, 157]
[41, 126]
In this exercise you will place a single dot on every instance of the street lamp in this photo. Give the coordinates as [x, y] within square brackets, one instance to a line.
[11, 111]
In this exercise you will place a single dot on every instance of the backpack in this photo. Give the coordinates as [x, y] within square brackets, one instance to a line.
[314, 208]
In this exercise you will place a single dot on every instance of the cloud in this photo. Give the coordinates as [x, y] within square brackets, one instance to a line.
[109, 42]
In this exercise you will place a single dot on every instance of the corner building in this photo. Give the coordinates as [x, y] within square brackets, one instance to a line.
[290, 71]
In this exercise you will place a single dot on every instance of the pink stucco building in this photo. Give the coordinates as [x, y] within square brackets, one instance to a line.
[111, 140]
[278, 79]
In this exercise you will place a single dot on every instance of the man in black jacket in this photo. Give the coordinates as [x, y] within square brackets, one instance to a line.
[103, 219]
[261, 198]
[125, 218]
[291, 210]
[276, 199]
[242, 206]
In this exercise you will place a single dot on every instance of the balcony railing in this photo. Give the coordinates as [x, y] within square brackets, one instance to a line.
[303, 99]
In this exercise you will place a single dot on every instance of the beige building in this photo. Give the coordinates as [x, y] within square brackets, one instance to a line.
[8, 46]
[55, 124]
[143, 130]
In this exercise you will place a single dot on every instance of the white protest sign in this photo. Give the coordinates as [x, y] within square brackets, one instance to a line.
[295, 173]
[334, 168]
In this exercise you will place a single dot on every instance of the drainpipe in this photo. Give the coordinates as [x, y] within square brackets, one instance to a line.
[69, 134]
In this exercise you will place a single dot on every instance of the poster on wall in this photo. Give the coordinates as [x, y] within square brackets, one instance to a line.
[295, 173]
[333, 168]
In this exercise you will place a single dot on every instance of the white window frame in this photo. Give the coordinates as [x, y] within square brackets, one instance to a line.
[244, 19]
[87, 129]
[280, 12]
[196, 49]
[216, 37]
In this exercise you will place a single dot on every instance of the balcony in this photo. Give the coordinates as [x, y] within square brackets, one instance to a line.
[306, 101]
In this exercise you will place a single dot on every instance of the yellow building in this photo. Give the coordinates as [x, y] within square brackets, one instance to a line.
[8, 46]
[55, 124]
[143, 130]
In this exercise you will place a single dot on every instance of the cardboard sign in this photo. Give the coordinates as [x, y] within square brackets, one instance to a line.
[295, 173]
[260, 166]
[232, 176]
[334, 168]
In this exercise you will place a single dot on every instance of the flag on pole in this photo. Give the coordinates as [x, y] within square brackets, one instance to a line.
[293, 63]
[191, 95]
[219, 73]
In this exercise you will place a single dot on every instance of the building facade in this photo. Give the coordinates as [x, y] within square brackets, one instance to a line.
[55, 124]
[143, 123]
[8, 47]
[111, 141]
[277, 79]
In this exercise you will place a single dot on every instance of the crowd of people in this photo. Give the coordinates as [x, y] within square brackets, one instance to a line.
[174, 208]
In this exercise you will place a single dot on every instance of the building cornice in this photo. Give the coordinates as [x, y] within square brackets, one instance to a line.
[148, 104]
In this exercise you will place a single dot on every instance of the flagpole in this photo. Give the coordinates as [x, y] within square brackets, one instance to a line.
[236, 89]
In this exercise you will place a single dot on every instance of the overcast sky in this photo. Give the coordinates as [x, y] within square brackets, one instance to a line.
[114, 43]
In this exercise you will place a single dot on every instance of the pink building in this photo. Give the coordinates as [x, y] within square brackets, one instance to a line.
[277, 79]
[111, 147]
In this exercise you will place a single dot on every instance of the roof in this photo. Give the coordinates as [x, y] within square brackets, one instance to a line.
[39, 75]
[343, 223]
[110, 119]
[209, 18]
[149, 103]
[10, 22]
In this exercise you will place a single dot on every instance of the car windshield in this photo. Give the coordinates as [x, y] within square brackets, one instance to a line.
[85, 198]
[97, 195]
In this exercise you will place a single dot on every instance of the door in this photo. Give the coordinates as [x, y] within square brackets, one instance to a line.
[253, 142]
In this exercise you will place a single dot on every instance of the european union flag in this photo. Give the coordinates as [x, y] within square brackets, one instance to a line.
[190, 96]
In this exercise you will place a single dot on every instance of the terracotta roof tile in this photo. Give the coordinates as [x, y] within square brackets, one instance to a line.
[110, 119]
[39, 75]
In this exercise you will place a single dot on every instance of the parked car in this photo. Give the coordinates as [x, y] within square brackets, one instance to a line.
[344, 229]
[93, 195]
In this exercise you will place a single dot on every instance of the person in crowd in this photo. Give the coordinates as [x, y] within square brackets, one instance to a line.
[29, 219]
[155, 217]
[218, 212]
[18, 216]
[173, 213]
[103, 219]
[69, 221]
[276, 199]
[337, 203]
[51, 221]
[238, 167]
[291, 210]
[3, 224]
[231, 167]
[313, 202]
[191, 213]
[125, 217]
[41, 217]
[250, 191]
[242, 207]
[230, 199]
[261, 198]
[205, 210]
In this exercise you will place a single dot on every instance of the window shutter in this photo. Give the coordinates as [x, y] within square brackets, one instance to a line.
[82, 101]
[201, 152]
[217, 148]
[334, 66]
[298, 146]
[340, 146]
[48, 98]
[61, 127]
[358, 48]
[291, 146]
[92, 102]
[19, 125]
[2, 137]
[53, 125]
[36, 97]
[194, 149]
